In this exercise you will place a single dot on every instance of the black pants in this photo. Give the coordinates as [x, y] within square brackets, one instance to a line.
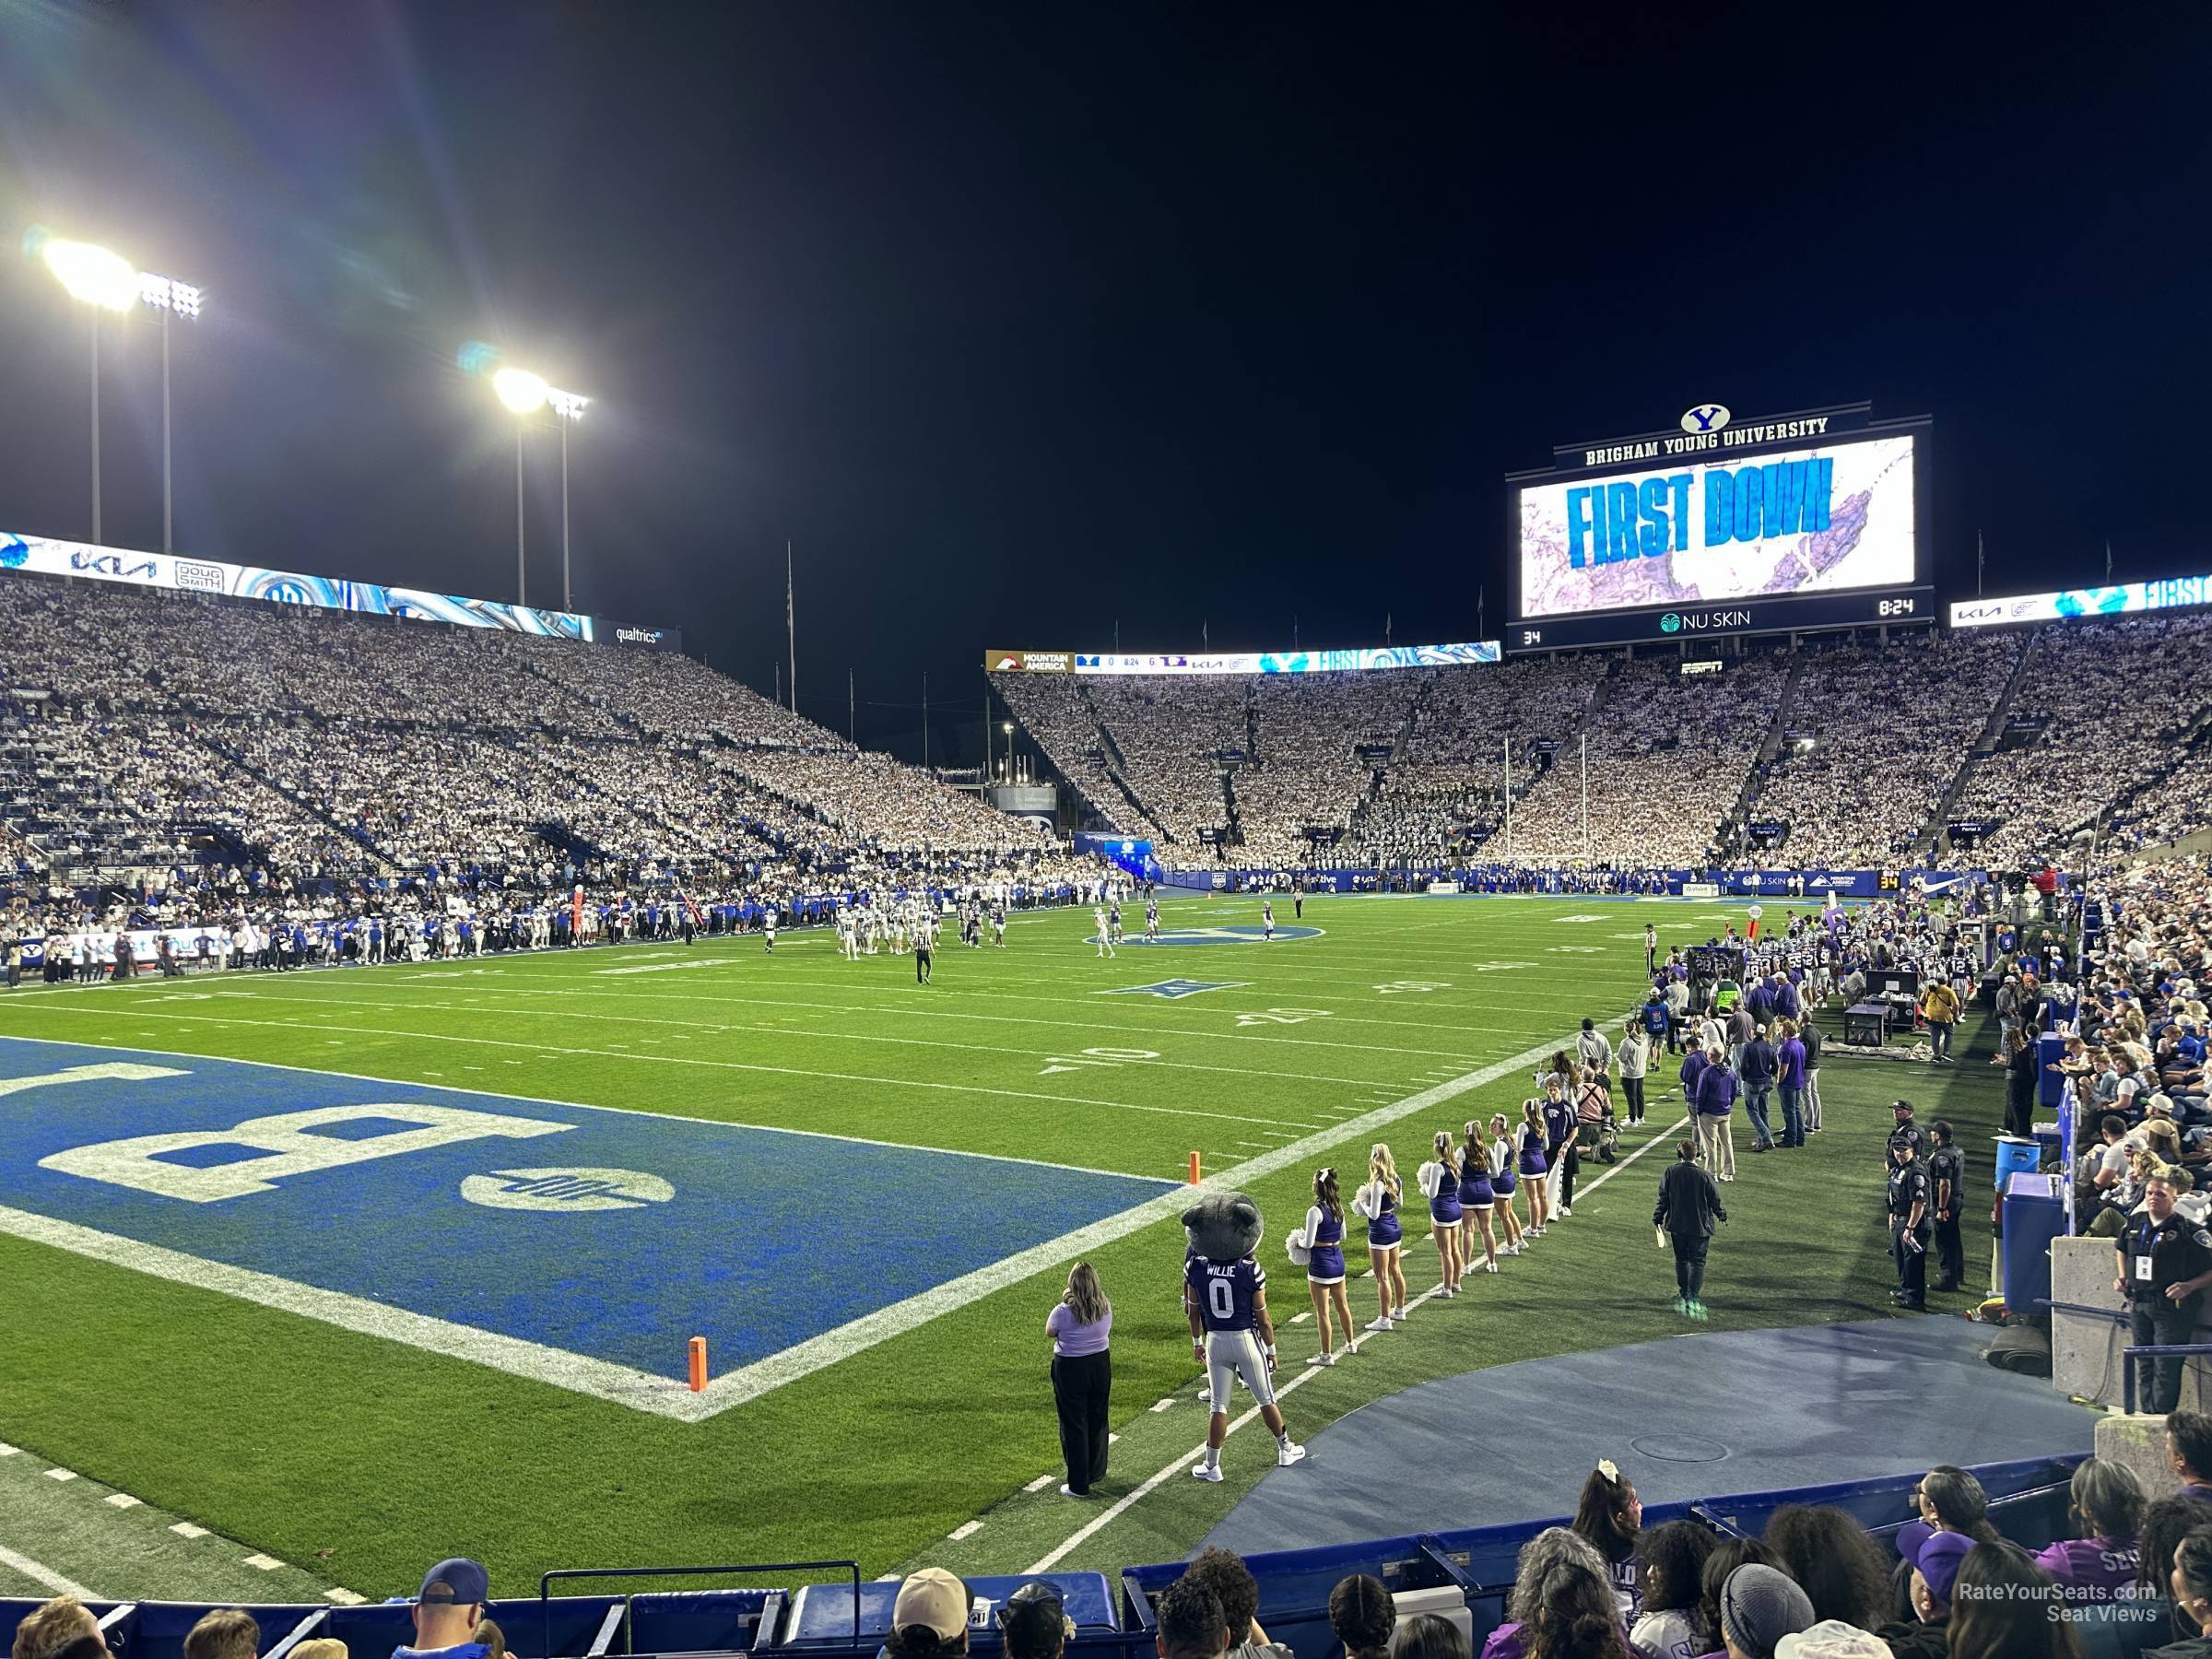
[1690, 1264]
[1298, 907]
[2154, 1321]
[1912, 1264]
[1633, 1089]
[1951, 1254]
[922, 967]
[2019, 1113]
[1081, 1387]
[1571, 1162]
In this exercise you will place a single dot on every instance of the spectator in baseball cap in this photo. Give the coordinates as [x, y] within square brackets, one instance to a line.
[454, 1596]
[1035, 1622]
[1935, 1557]
[929, 1620]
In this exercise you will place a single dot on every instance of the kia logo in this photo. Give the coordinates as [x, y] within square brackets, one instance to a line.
[1705, 417]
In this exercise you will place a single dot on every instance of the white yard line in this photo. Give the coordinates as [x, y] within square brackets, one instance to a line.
[46, 1576]
[739, 1065]
[1158, 1062]
[1284, 1385]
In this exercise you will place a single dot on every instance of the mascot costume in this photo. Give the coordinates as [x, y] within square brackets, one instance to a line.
[1224, 1296]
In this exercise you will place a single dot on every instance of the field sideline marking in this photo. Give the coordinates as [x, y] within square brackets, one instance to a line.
[665, 1396]
[46, 1576]
[1152, 1484]
[742, 1065]
[635, 1112]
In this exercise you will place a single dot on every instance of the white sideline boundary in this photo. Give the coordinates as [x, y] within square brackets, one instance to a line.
[665, 1396]
[1121, 1505]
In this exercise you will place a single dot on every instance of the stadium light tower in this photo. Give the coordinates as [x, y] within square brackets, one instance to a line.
[107, 281]
[525, 394]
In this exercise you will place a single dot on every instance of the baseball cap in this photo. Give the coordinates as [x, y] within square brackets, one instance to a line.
[934, 1599]
[459, 1580]
[2160, 1102]
[1937, 1557]
[1833, 1639]
[1034, 1620]
[1900, 1105]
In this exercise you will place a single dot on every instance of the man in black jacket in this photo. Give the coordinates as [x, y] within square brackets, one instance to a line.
[1690, 1206]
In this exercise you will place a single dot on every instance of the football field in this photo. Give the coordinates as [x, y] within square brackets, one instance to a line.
[352, 1270]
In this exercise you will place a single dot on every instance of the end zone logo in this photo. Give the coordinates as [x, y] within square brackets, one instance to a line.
[571, 1190]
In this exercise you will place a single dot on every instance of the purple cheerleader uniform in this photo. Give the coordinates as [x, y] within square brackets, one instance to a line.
[1474, 1191]
[1502, 1168]
[1444, 1209]
[1531, 1150]
[1324, 1262]
[1384, 1232]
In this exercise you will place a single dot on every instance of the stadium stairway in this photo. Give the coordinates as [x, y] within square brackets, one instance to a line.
[1930, 837]
[236, 761]
[1732, 829]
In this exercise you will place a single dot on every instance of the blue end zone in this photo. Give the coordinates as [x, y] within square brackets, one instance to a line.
[612, 1234]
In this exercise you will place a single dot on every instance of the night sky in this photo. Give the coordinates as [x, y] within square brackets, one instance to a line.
[1020, 321]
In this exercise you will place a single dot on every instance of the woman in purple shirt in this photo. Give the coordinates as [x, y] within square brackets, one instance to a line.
[1789, 1057]
[1082, 1376]
[2108, 1501]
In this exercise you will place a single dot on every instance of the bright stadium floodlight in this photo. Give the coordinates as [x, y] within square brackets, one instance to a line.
[97, 275]
[525, 393]
[105, 281]
[520, 390]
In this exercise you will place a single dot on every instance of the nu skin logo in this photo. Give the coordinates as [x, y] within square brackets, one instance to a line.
[1705, 417]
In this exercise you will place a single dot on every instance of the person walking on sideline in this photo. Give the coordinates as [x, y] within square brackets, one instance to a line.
[1079, 1324]
[1712, 1109]
[1689, 1208]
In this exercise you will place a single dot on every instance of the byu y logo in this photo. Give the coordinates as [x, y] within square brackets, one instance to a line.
[1705, 417]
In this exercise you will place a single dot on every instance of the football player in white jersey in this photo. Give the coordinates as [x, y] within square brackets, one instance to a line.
[1098, 918]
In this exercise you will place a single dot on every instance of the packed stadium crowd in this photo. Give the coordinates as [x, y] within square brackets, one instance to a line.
[1841, 752]
[175, 760]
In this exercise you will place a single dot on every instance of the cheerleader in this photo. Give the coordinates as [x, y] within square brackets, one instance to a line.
[1378, 1203]
[1325, 1265]
[1440, 1181]
[1534, 1166]
[1477, 1198]
[1502, 1185]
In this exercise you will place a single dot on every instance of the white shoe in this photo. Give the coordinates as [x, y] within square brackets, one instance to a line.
[1066, 1492]
[1320, 1359]
[1206, 1396]
[1490, 1266]
[1207, 1472]
[1511, 1250]
[1285, 1456]
[1378, 1325]
[1565, 1214]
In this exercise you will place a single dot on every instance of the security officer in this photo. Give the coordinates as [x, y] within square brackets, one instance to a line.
[1907, 1133]
[2165, 1263]
[1907, 1224]
[1946, 1181]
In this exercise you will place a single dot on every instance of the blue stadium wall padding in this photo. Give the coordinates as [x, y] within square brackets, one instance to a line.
[1883, 1505]
[2027, 1504]
[820, 1620]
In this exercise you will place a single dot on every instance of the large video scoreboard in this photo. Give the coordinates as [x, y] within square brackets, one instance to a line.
[1723, 526]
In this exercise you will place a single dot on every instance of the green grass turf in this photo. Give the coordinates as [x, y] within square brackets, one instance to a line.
[369, 1459]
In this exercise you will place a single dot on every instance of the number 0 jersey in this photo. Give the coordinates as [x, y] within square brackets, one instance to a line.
[1224, 1292]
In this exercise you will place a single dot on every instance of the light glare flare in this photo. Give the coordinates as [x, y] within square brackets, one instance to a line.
[97, 275]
